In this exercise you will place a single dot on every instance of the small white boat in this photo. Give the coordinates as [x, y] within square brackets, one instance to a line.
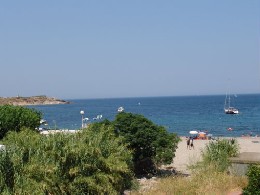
[120, 109]
[98, 117]
[43, 121]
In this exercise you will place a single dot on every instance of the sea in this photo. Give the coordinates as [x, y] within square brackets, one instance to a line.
[178, 114]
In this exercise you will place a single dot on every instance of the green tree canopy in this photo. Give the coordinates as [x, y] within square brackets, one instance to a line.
[14, 118]
[253, 186]
[151, 144]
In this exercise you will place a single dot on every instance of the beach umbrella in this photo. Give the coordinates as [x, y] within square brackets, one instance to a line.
[193, 132]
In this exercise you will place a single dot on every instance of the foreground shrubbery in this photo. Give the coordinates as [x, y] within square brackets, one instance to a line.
[207, 182]
[253, 187]
[88, 162]
[217, 153]
[14, 118]
[95, 161]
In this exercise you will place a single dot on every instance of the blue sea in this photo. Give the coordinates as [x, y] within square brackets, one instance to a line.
[179, 114]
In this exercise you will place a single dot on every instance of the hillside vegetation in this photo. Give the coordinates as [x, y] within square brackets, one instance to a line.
[33, 100]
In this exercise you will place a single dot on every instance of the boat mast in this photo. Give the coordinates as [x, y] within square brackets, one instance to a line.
[229, 100]
[225, 105]
[228, 97]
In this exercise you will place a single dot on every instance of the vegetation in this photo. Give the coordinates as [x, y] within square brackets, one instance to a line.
[253, 187]
[14, 118]
[87, 162]
[207, 182]
[103, 158]
[217, 153]
[33, 100]
[152, 145]
[95, 161]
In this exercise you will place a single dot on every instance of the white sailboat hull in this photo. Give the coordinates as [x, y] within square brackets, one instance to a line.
[231, 110]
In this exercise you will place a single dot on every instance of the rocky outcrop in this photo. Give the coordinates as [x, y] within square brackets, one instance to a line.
[33, 100]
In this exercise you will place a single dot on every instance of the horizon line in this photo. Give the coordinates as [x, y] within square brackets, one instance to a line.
[129, 97]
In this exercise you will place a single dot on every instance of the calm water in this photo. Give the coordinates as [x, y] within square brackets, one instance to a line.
[177, 114]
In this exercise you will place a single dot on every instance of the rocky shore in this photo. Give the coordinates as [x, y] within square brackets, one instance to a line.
[33, 100]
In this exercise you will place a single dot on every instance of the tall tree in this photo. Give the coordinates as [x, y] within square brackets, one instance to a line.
[152, 145]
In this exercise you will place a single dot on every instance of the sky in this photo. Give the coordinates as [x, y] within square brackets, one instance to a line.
[138, 48]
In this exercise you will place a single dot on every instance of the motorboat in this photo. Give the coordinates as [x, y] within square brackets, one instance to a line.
[120, 109]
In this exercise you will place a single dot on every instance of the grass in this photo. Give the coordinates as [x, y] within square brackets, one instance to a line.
[205, 182]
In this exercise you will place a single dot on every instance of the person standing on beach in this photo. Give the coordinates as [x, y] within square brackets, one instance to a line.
[191, 143]
[188, 143]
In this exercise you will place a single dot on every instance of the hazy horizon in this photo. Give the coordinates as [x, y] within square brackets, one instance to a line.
[190, 95]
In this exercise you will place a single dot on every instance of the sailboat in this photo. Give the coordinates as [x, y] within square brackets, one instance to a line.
[227, 108]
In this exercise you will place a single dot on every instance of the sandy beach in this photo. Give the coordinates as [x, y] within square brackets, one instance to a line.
[184, 157]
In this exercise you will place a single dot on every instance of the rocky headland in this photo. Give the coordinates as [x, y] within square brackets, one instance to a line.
[33, 100]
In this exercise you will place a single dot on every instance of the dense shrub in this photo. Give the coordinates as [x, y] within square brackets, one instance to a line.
[217, 153]
[14, 118]
[87, 162]
[151, 144]
[253, 187]
[6, 173]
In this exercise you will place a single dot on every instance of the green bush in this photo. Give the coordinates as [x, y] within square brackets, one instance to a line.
[217, 153]
[14, 118]
[87, 162]
[151, 144]
[6, 173]
[253, 187]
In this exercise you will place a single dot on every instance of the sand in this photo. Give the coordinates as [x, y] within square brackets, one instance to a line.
[184, 157]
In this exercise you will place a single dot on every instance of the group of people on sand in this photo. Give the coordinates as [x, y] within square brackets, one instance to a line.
[249, 135]
[190, 143]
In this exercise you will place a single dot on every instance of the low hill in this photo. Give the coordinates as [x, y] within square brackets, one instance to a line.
[33, 100]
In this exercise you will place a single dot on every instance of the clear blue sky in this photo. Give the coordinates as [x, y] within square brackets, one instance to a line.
[102, 49]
